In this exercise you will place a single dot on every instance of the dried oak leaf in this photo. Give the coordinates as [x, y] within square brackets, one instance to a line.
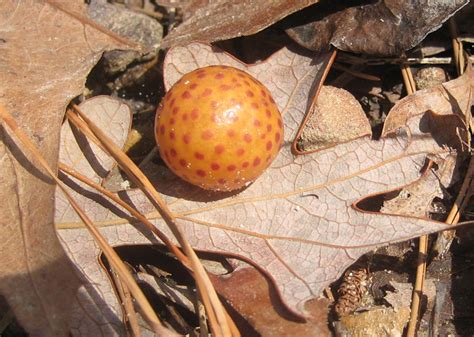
[47, 48]
[223, 19]
[453, 97]
[387, 27]
[299, 222]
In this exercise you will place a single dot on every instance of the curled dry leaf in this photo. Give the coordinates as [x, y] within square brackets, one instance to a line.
[223, 19]
[47, 49]
[384, 28]
[453, 97]
[299, 222]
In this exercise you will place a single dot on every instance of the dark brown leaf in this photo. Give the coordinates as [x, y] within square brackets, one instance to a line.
[387, 27]
[220, 20]
[253, 297]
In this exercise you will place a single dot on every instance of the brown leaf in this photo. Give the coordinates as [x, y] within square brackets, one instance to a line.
[387, 27]
[253, 297]
[299, 221]
[453, 97]
[47, 49]
[221, 20]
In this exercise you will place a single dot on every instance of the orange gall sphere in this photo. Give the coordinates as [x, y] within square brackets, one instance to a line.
[218, 128]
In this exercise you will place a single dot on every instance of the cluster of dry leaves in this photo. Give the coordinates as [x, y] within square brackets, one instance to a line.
[300, 225]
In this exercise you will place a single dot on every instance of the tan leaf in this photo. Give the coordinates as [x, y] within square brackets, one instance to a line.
[111, 115]
[299, 221]
[455, 96]
[47, 48]
[221, 20]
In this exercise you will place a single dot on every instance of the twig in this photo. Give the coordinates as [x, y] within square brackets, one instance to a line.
[220, 325]
[423, 242]
[356, 73]
[130, 315]
[457, 46]
[351, 59]
[115, 261]
[148, 157]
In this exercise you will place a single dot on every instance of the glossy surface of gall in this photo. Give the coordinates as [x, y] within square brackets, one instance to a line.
[218, 128]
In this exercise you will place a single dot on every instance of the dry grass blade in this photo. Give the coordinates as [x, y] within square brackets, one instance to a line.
[115, 261]
[357, 74]
[423, 243]
[457, 46]
[171, 246]
[130, 315]
[218, 319]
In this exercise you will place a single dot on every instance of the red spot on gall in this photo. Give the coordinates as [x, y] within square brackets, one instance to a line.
[218, 149]
[257, 161]
[186, 138]
[186, 95]
[201, 173]
[277, 137]
[269, 145]
[206, 92]
[194, 114]
[206, 135]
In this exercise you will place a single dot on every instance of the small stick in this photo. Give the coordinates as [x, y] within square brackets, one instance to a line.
[127, 305]
[356, 73]
[423, 242]
[457, 46]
